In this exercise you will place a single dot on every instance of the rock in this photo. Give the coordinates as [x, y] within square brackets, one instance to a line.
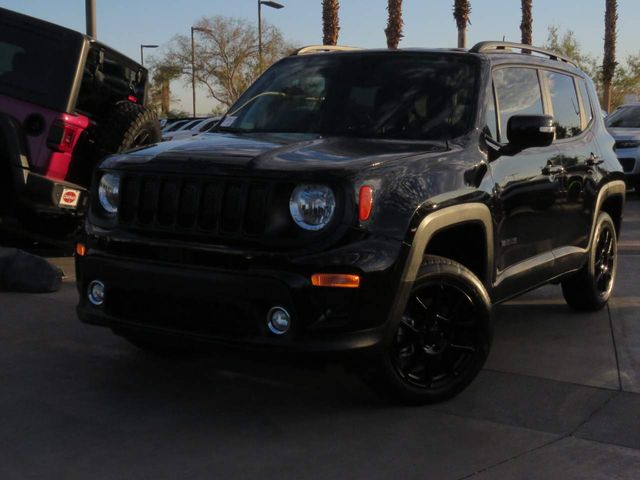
[23, 272]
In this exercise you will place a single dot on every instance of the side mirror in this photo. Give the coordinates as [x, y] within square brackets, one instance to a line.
[526, 131]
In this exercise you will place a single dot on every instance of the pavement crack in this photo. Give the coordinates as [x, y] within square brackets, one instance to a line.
[547, 444]
[615, 346]
[515, 457]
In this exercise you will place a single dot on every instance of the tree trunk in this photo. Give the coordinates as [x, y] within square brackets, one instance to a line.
[461, 12]
[394, 24]
[609, 60]
[526, 26]
[330, 22]
[165, 97]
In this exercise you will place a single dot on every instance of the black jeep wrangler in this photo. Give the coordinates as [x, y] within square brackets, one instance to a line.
[66, 101]
[377, 202]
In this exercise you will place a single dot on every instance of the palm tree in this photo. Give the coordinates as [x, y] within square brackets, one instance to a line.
[330, 22]
[461, 12]
[609, 60]
[527, 22]
[394, 24]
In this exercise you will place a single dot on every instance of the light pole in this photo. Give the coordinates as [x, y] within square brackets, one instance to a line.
[142, 47]
[275, 5]
[90, 13]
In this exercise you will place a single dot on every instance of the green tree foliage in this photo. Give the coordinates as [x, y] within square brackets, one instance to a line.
[626, 79]
[226, 55]
[160, 89]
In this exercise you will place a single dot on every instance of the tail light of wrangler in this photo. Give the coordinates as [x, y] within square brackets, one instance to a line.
[65, 131]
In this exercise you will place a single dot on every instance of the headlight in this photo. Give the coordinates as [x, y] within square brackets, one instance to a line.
[109, 192]
[312, 206]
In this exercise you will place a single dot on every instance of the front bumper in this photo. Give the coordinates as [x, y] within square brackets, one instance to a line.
[230, 305]
[630, 160]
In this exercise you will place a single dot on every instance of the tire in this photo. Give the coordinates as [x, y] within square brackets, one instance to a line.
[420, 363]
[590, 288]
[128, 126]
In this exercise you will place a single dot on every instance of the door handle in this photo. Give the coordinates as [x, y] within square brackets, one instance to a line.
[593, 160]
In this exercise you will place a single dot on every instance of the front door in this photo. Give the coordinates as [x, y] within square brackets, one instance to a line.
[528, 190]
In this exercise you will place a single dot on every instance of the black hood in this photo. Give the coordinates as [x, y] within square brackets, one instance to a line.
[269, 152]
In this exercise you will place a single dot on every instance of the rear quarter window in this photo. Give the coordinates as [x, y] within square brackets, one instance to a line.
[37, 62]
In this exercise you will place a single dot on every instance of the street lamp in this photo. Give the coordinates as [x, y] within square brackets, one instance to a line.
[275, 5]
[193, 64]
[142, 47]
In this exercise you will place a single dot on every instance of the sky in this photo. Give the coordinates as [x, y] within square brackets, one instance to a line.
[125, 24]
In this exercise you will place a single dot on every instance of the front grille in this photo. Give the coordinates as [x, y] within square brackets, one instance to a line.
[627, 164]
[200, 206]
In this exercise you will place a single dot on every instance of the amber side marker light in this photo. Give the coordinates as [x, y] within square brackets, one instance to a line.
[337, 280]
[365, 202]
[81, 249]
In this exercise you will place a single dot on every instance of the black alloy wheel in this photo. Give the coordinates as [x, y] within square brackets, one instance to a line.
[437, 337]
[442, 340]
[590, 288]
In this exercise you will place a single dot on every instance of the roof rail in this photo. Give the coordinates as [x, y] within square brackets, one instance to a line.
[504, 47]
[323, 49]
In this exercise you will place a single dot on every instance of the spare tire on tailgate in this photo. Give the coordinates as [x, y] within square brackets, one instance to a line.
[128, 126]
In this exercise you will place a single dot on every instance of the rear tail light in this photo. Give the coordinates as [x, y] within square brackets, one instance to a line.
[64, 132]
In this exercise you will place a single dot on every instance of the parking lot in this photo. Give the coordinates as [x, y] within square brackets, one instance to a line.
[559, 398]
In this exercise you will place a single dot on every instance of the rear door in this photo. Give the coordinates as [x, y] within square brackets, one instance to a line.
[575, 139]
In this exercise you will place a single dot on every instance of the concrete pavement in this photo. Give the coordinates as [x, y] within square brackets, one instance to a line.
[559, 398]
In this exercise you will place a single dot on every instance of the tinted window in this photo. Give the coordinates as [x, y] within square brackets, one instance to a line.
[37, 64]
[108, 80]
[566, 112]
[176, 125]
[625, 117]
[491, 127]
[586, 100]
[518, 92]
[404, 95]
[207, 125]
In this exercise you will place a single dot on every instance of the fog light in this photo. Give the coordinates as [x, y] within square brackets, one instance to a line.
[95, 293]
[278, 320]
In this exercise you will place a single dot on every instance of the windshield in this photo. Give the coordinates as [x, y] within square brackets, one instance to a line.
[626, 117]
[420, 96]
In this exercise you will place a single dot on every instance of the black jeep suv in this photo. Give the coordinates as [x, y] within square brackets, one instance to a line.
[377, 202]
[66, 101]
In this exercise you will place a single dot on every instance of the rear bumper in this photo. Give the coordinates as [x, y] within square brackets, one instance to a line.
[47, 196]
[216, 305]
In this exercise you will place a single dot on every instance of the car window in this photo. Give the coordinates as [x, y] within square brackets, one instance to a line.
[625, 117]
[37, 65]
[207, 125]
[189, 125]
[587, 108]
[518, 93]
[491, 120]
[107, 79]
[175, 126]
[371, 95]
[564, 99]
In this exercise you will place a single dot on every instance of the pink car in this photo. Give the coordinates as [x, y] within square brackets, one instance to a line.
[66, 100]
